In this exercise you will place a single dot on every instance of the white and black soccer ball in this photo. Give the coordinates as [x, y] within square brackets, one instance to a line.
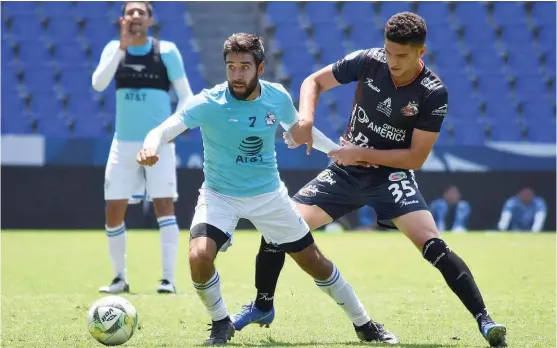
[112, 320]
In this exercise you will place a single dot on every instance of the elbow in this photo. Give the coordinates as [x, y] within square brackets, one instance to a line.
[312, 83]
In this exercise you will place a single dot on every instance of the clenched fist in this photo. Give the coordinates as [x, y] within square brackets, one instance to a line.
[147, 157]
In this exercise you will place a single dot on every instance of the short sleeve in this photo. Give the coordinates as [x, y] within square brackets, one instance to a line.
[351, 67]
[509, 204]
[539, 203]
[434, 111]
[193, 114]
[173, 62]
[287, 113]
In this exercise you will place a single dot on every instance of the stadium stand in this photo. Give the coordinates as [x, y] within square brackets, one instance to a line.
[497, 60]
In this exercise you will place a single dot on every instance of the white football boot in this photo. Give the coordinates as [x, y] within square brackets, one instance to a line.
[117, 286]
[166, 287]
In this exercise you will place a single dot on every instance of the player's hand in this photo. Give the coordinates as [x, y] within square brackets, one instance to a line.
[126, 37]
[349, 155]
[301, 134]
[147, 157]
[289, 141]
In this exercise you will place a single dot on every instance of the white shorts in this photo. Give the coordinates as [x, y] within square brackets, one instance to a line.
[126, 179]
[273, 214]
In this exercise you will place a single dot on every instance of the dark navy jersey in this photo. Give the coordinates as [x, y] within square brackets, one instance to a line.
[383, 115]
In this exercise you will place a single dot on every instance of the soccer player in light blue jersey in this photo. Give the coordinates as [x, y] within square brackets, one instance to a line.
[238, 122]
[144, 70]
[523, 212]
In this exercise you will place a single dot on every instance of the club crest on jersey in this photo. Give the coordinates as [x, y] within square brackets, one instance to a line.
[270, 118]
[410, 110]
[397, 176]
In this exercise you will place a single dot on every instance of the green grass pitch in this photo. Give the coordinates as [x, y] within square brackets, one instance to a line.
[49, 279]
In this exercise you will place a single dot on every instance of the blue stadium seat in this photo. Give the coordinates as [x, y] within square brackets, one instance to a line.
[468, 132]
[91, 127]
[284, 34]
[479, 33]
[280, 12]
[357, 12]
[506, 131]
[487, 61]
[170, 10]
[76, 80]
[470, 11]
[449, 60]
[12, 105]
[38, 77]
[544, 12]
[434, 13]
[100, 29]
[520, 63]
[530, 85]
[87, 9]
[12, 8]
[59, 9]
[321, 12]
[363, 36]
[500, 108]
[444, 138]
[493, 85]
[507, 13]
[53, 126]
[542, 130]
[537, 108]
[388, 8]
[62, 29]
[300, 62]
[445, 37]
[547, 36]
[45, 105]
[33, 52]
[517, 35]
[26, 27]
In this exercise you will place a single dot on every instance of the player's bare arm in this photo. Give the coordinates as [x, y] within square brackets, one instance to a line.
[412, 158]
[169, 129]
[312, 87]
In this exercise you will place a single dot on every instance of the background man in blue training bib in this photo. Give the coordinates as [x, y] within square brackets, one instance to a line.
[144, 70]
[238, 122]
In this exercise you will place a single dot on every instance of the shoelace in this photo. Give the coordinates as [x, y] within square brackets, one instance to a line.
[216, 329]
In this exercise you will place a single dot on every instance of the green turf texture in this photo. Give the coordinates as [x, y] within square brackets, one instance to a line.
[49, 280]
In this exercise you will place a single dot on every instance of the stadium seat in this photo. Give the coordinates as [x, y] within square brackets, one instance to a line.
[357, 12]
[13, 8]
[280, 12]
[62, 29]
[542, 130]
[388, 8]
[87, 9]
[61, 9]
[470, 11]
[468, 132]
[26, 27]
[372, 37]
[537, 108]
[506, 130]
[284, 34]
[434, 13]
[321, 12]
[507, 13]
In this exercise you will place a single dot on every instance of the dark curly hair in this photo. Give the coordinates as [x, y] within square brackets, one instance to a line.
[245, 43]
[148, 5]
[406, 28]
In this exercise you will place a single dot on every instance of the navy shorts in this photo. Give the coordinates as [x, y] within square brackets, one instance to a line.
[338, 190]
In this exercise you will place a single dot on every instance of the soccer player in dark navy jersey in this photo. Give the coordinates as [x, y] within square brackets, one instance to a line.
[398, 109]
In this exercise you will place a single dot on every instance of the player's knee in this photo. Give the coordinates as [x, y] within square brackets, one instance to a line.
[163, 206]
[443, 258]
[115, 211]
[202, 253]
[313, 262]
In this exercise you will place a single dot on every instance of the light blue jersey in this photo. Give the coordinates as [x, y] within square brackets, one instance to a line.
[138, 110]
[239, 137]
[523, 215]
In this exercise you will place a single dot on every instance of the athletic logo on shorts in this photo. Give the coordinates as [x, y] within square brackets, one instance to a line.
[326, 176]
[404, 202]
[309, 191]
[270, 118]
[397, 176]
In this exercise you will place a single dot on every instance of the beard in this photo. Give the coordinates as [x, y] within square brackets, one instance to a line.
[249, 88]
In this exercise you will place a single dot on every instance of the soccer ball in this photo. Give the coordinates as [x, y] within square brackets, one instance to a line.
[112, 320]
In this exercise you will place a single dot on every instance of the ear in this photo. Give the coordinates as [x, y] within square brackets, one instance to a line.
[260, 69]
[422, 51]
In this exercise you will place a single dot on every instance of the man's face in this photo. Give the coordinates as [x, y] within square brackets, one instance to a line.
[526, 196]
[452, 195]
[242, 74]
[402, 59]
[138, 16]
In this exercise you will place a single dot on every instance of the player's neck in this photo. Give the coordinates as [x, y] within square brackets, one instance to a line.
[139, 40]
[410, 76]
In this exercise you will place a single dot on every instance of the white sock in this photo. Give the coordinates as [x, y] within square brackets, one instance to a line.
[210, 295]
[169, 245]
[117, 247]
[336, 287]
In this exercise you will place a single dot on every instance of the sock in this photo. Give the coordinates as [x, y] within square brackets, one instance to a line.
[336, 287]
[210, 295]
[117, 247]
[458, 276]
[268, 264]
[169, 245]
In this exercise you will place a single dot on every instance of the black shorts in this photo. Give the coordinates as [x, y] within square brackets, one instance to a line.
[338, 190]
